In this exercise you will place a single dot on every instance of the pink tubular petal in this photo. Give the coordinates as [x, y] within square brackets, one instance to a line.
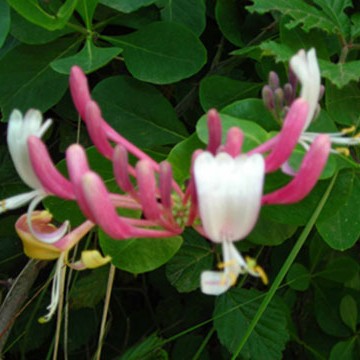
[309, 173]
[165, 178]
[289, 135]
[79, 89]
[77, 165]
[215, 130]
[147, 190]
[71, 239]
[50, 178]
[102, 210]
[95, 127]
[121, 169]
[234, 142]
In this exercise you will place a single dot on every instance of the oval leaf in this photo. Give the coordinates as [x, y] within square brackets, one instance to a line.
[139, 255]
[162, 53]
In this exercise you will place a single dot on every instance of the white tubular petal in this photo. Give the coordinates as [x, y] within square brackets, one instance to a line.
[214, 282]
[18, 132]
[32, 122]
[229, 194]
[17, 201]
[306, 68]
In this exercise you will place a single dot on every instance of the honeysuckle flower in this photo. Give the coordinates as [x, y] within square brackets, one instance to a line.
[229, 189]
[21, 132]
[305, 68]
[37, 249]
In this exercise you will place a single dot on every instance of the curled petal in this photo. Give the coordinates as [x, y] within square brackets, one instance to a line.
[50, 178]
[147, 190]
[79, 89]
[215, 131]
[289, 135]
[46, 237]
[33, 248]
[306, 178]
[95, 127]
[90, 259]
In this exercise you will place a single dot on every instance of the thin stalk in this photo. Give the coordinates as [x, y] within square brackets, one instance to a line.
[204, 343]
[288, 262]
[105, 311]
[59, 311]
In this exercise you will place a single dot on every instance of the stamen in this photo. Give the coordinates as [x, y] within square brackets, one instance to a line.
[343, 150]
[348, 130]
[55, 290]
[262, 274]
[223, 265]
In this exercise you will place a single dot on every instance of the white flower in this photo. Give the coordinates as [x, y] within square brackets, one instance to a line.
[306, 69]
[19, 130]
[229, 194]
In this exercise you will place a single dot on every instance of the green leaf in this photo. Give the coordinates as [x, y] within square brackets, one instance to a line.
[282, 52]
[343, 105]
[180, 157]
[301, 13]
[349, 311]
[30, 33]
[4, 21]
[342, 230]
[355, 28]
[234, 312]
[86, 9]
[162, 52]
[254, 134]
[126, 6]
[340, 74]
[253, 110]
[139, 255]
[297, 38]
[334, 10]
[227, 14]
[90, 289]
[340, 270]
[33, 12]
[90, 58]
[298, 277]
[344, 350]
[138, 112]
[219, 91]
[28, 80]
[145, 350]
[270, 233]
[190, 13]
[327, 311]
[184, 269]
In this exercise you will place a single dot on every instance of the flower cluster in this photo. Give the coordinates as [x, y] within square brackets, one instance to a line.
[222, 199]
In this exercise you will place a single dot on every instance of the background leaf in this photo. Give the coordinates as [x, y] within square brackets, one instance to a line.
[139, 255]
[190, 13]
[4, 21]
[138, 111]
[184, 269]
[162, 53]
[233, 313]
